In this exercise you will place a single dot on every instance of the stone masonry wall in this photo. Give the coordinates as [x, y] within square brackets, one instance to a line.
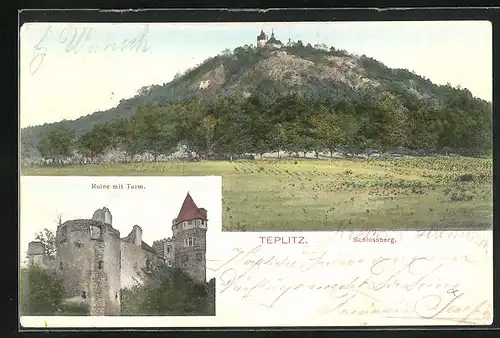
[133, 260]
[74, 257]
[90, 264]
[112, 269]
[98, 281]
[191, 259]
[165, 250]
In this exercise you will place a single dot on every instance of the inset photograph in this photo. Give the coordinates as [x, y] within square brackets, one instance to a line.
[110, 246]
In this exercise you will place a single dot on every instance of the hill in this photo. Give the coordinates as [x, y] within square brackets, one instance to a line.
[377, 106]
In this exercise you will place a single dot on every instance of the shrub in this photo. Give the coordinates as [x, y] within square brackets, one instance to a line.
[74, 309]
[170, 292]
[41, 292]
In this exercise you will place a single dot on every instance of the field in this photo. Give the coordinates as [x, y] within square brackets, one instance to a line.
[294, 195]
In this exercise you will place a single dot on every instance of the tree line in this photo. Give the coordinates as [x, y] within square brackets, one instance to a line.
[234, 125]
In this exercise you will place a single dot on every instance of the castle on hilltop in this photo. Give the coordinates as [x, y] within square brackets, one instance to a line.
[272, 43]
[95, 263]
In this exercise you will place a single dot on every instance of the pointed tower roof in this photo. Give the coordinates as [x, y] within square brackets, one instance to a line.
[261, 36]
[190, 211]
[273, 39]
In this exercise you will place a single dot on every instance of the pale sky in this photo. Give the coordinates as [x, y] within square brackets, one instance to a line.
[70, 83]
[153, 209]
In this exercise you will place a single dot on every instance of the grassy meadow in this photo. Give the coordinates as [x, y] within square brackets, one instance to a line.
[300, 194]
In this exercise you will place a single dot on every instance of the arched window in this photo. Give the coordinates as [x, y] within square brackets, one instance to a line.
[100, 265]
[199, 256]
[84, 295]
[185, 258]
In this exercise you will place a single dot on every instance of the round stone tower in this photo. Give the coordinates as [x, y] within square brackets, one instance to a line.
[89, 261]
[189, 230]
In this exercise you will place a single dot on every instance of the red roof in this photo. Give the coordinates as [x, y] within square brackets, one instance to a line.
[190, 211]
[262, 35]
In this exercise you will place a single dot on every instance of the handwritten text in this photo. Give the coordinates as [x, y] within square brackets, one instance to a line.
[83, 39]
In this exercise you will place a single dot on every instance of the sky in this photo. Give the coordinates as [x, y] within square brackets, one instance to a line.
[71, 70]
[43, 198]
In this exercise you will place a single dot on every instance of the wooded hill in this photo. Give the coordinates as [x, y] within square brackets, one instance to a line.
[300, 98]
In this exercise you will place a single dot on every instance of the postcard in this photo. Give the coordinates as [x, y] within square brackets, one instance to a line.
[276, 173]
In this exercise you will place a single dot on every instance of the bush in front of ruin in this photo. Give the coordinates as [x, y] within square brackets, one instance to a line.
[41, 292]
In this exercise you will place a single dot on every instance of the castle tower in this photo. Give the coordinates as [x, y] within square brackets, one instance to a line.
[273, 43]
[89, 261]
[103, 215]
[261, 39]
[189, 237]
[36, 254]
[165, 250]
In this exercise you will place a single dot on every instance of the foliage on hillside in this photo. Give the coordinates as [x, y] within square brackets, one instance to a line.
[229, 126]
[253, 112]
[168, 292]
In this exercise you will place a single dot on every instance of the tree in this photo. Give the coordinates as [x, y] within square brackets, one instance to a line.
[59, 219]
[186, 122]
[279, 137]
[261, 128]
[56, 144]
[391, 122]
[154, 132]
[48, 238]
[226, 52]
[209, 124]
[41, 292]
[124, 135]
[94, 142]
[425, 129]
[143, 91]
[233, 134]
[168, 291]
[327, 130]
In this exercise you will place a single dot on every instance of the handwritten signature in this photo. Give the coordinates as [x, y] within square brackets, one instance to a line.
[39, 53]
[255, 277]
[84, 40]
